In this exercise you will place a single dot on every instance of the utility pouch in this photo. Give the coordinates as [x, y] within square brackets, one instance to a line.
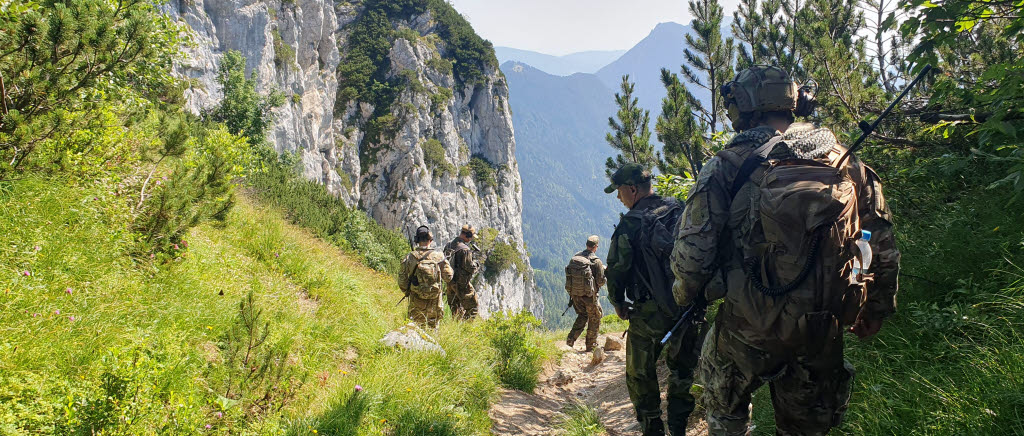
[818, 329]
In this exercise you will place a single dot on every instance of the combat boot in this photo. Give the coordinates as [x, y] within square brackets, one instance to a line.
[653, 426]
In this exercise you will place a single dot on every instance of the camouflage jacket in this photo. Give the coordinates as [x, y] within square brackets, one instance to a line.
[461, 259]
[699, 253]
[622, 258]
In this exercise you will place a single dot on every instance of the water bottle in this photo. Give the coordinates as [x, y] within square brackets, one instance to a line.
[865, 254]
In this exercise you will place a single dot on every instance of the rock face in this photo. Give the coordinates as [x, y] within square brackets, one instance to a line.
[448, 158]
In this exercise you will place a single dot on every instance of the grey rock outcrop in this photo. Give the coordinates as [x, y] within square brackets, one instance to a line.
[296, 46]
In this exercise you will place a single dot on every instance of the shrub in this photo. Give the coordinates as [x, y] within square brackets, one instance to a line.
[64, 58]
[484, 172]
[670, 185]
[502, 257]
[407, 34]
[434, 157]
[284, 54]
[517, 357]
[258, 377]
[310, 205]
[439, 99]
[199, 187]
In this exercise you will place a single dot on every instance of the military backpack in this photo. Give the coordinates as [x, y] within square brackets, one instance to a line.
[579, 278]
[797, 220]
[426, 277]
[656, 239]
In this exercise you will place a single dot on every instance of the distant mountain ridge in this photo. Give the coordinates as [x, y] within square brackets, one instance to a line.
[582, 62]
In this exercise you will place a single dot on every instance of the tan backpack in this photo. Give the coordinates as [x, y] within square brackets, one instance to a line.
[426, 281]
[579, 279]
[798, 234]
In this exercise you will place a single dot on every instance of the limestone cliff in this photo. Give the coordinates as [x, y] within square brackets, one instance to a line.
[434, 146]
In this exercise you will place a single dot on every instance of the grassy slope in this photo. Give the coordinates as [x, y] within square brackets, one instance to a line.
[329, 308]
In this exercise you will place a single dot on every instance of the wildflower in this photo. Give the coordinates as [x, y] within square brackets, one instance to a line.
[359, 388]
[209, 328]
[152, 256]
[314, 431]
[71, 318]
[220, 414]
[176, 247]
[35, 315]
[38, 248]
[208, 426]
[184, 243]
[68, 290]
[383, 421]
[26, 273]
[56, 312]
[408, 389]
[277, 254]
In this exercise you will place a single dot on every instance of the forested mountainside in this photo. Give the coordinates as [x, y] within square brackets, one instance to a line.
[398, 107]
[560, 128]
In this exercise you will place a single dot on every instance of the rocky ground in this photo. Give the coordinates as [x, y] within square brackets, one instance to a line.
[598, 382]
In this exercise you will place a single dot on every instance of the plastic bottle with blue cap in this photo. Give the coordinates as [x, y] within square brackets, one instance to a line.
[865, 255]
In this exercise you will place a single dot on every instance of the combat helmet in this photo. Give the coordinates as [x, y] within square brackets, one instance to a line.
[761, 89]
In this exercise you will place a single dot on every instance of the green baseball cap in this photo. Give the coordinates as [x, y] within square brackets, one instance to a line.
[628, 174]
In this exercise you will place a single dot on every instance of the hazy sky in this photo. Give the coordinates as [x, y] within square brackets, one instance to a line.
[564, 26]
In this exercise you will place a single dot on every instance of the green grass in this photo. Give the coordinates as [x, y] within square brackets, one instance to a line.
[143, 352]
[579, 419]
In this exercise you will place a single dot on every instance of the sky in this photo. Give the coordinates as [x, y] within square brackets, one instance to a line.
[560, 27]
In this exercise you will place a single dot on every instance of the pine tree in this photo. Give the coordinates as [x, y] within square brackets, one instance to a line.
[685, 148]
[630, 134]
[709, 60]
[768, 34]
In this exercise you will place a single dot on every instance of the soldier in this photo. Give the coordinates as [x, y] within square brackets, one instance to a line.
[423, 273]
[460, 294]
[645, 299]
[773, 219]
[584, 277]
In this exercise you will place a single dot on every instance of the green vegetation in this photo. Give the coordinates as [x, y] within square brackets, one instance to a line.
[630, 134]
[579, 419]
[502, 257]
[364, 70]
[434, 157]
[518, 359]
[483, 172]
[243, 110]
[439, 99]
[284, 54]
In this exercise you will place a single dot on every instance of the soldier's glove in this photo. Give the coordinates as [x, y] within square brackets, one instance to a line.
[622, 312]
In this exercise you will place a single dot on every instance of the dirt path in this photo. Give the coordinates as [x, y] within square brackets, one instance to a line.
[601, 386]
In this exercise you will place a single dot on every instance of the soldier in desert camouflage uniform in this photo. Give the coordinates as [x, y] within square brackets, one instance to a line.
[423, 273]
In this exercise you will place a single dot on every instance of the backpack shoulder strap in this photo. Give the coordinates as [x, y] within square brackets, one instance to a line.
[755, 160]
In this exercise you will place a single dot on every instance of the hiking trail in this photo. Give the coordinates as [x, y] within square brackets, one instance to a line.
[601, 386]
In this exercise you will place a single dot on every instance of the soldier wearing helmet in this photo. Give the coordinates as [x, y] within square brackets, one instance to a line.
[785, 306]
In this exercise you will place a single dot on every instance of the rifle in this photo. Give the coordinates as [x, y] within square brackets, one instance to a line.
[689, 317]
[869, 128]
[567, 308]
[403, 299]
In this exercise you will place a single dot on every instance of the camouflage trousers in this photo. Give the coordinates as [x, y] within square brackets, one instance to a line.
[647, 326]
[809, 393]
[425, 311]
[461, 299]
[588, 314]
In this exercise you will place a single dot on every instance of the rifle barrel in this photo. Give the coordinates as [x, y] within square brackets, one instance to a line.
[885, 113]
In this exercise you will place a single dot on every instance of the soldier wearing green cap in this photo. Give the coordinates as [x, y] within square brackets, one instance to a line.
[785, 270]
[631, 292]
